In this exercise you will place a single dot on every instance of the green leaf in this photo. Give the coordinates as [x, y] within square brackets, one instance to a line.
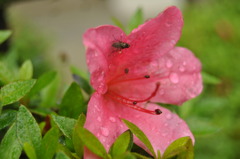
[72, 103]
[49, 93]
[26, 70]
[13, 92]
[127, 155]
[49, 143]
[6, 75]
[92, 142]
[182, 148]
[118, 23]
[61, 155]
[65, 124]
[78, 145]
[29, 150]
[122, 144]
[135, 21]
[139, 156]
[210, 79]
[65, 150]
[140, 135]
[42, 82]
[4, 35]
[159, 156]
[82, 78]
[7, 118]
[79, 72]
[28, 129]
[10, 147]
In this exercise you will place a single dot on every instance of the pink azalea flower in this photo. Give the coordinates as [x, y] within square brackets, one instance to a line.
[128, 71]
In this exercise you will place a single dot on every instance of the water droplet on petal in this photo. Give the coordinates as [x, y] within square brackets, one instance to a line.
[164, 134]
[137, 116]
[152, 127]
[169, 63]
[102, 88]
[104, 131]
[174, 78]
[95, 54]
[181, 69]
[103, 140]
[169, 116]
[112, 119]
[167, 24]
[99, 119]
[96, 108]
[173, 42]
[161, 92]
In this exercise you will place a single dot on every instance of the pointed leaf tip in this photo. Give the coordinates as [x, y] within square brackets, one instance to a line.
[122, 144]
[92, 143]
[182, 147]
[140, 135]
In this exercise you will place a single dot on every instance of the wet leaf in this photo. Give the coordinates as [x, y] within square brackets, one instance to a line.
[28, 129]
[7, 118]
[13, 92]
[10, 147]
[65, 124]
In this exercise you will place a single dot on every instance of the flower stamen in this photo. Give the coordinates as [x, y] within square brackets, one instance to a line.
[133, 103]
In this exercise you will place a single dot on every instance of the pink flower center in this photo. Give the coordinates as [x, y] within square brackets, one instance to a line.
[133, 103]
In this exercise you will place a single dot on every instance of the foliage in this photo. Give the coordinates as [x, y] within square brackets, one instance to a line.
[35, 122]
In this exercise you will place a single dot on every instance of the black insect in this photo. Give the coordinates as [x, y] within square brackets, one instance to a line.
[120, 45]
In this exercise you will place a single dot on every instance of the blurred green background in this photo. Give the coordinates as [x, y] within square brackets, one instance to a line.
[212, 31]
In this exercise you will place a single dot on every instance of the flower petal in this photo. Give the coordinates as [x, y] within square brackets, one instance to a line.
[178, 72]
[98, 42]
[104, 120]
[158, 35]
[149, 41]
[161, 129]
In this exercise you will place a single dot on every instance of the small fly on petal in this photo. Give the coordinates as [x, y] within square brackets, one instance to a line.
[120, 45]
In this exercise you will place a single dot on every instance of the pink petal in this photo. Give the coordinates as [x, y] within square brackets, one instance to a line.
[149, 41]
[158, 35]
[178, 72]
[98, 42]
[104, 120]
